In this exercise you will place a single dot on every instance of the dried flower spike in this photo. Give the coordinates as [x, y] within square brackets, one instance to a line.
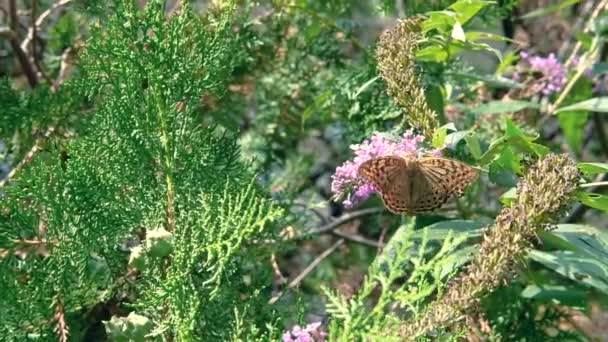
[543, 194]
[395, 55]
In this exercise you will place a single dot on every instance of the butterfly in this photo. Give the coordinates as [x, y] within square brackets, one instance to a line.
[413, 186]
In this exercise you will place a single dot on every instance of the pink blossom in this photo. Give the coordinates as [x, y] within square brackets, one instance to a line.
[312, 333]
[553, 72]
[346, 182]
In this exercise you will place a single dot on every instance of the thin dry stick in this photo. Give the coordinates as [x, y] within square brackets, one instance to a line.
[38, 24]
[342, 220]
[28, 156]
[296, 281]
[27, 68]
[34, 57]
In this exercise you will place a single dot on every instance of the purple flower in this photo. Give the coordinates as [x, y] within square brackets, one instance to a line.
[552, 72]
[312, 333]
[346, 182]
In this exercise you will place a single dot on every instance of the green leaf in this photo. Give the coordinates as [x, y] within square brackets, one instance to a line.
[549, 9]
[509, 196]
[593, 168]
[598, 104]
[452, 139]
[577, 267]
[479, 35]
[439, 137]
[432, 53]
[467, 9]
[365, 85]
[593, 200]
[441, 21]
[458, 32]
[474, 146]
[585, 39]
[566, 295]
[489, 80]
[580, 238]
[573, 122]
[497, 107]
[573, 126]
[439, 230]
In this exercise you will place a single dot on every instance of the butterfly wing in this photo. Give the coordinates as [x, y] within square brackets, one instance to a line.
[389, 175]
[446, 177]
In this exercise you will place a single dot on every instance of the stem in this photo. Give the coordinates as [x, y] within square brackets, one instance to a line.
[595, 184]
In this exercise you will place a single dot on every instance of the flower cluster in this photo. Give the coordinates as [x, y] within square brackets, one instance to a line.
[311, 333]
[346, 182]
[552, 72]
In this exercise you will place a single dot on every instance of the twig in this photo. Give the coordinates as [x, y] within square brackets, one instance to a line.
[19, 53]
[356, 238]
[28, 156]
[342, 220]
[594, 185]
[36, 26]
[62, 328]
[34, 58]
[277, 271]
[296, 281]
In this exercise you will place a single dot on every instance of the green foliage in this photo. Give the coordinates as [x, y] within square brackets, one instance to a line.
[156, 186]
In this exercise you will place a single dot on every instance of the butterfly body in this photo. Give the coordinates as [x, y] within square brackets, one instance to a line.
[412, 186]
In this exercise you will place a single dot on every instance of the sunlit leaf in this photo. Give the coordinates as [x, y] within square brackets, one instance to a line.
[598, 104]
[474, 146]
[467, 9]
[593, 200]
[593, 168]
[575, 266]
[458, 32]
[497, 107]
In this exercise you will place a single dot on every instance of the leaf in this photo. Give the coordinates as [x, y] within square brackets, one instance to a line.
[577, 267]
[441, 21]
[573, 122]
[598, 104]
[497, 107]
[489, 80]
[593, 200]
[433, 53]
[365, 86]
[509, 196]
[573, 126]
[455, 260]
[566, 295]
[593, 168]
[439, 137]
[479, 35]
[467, 9]
[452, 139]
[458, 32]
[546, 10]
[439, 230]
[580, 238]
[474, 146]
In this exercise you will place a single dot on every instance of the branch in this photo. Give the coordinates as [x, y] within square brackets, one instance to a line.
[296, 281]
[62, 328]
[37, 25]
[28, 156]
[27, 68]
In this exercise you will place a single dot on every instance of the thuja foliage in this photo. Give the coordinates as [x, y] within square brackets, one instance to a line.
[145, 161]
